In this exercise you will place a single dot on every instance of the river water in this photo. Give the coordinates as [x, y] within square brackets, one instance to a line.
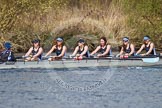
[95, 87]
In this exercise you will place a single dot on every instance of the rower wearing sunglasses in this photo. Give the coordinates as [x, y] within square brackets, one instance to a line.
[35, 52]
[127, 49]
[148, 46]
[81, 50]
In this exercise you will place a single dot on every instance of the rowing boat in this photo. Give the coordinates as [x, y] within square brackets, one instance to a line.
[94, 62]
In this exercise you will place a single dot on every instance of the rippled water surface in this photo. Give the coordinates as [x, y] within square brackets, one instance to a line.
[97, 87]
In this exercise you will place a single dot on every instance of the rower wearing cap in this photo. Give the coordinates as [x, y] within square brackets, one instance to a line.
[127, 49]
[59, 49]
[7, 45]
[148, 46]
[103, 48]
[81, 50]
[35, 52]
[7, 54]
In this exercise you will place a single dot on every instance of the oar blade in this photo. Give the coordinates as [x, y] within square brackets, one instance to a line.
[151, 60]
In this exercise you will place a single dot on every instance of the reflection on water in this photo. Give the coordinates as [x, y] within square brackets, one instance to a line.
[133, 87]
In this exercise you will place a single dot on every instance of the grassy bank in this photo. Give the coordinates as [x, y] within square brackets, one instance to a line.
[23, 20]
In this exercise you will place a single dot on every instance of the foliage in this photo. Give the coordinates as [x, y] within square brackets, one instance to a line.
[146, 17]
[23, 20]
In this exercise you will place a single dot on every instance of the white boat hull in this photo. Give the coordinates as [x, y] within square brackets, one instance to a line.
[82, 63]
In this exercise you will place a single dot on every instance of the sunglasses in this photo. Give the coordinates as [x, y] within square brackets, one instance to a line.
[59, 41]
[125, 41]
[80, 42]
[35, 42]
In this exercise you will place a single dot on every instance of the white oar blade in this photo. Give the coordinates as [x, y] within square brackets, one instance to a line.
[151, 60]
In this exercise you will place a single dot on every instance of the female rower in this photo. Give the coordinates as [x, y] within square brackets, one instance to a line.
[127, 49]
[103, 48]
[148, 46]
[81, 50]
[59, 49]
[35, 52]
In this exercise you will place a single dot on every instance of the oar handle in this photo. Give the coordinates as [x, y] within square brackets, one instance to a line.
[21, 57]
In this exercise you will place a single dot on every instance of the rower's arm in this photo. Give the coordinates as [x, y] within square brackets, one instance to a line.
[29, 52]
[63, 51]
[139, 51]
[39, 52]
[85, 50]
[132, 49]
[51, 50]
[95, 51]
[107, 50]
[121, 51]
[75, 51]
[151, 48]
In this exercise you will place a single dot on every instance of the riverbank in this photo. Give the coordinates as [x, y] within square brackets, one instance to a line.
[22, 21]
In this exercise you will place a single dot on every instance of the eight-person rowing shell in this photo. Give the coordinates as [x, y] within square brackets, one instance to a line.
[35, 52]
[127, 49]
[148, 46]
[104, 49]
[81, 50]
[59, 49]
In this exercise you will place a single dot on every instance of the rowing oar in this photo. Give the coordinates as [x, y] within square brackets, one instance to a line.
[151, 60]
[23, 58]
[145, 59]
